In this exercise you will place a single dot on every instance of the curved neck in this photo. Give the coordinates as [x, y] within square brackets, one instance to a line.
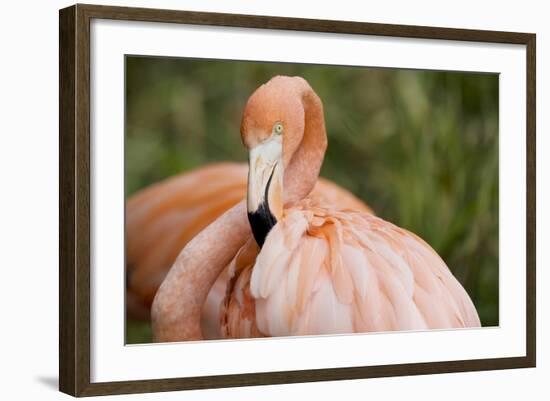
[302, 171]
[177, 308]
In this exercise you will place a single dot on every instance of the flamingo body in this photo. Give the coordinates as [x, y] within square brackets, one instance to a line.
[326, 271]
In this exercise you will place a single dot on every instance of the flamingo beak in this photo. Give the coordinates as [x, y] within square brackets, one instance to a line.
[265, 183]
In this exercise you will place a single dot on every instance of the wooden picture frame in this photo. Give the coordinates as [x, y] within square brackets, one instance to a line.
[74, 203]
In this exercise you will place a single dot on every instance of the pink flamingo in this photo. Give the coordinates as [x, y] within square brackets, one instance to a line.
[298, 266]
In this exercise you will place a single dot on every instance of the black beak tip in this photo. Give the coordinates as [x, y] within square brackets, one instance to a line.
[261, 222]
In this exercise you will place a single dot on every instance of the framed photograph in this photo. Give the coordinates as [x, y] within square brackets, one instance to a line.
[250, 200]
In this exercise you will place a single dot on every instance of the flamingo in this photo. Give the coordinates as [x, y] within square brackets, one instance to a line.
[163, 217]
[299, 266]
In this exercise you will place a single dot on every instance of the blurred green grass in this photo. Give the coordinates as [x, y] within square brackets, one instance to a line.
[420, 147]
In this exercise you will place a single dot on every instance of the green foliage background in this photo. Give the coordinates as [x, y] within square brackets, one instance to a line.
[419, 147]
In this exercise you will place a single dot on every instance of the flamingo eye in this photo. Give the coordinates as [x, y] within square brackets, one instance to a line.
[278, 128]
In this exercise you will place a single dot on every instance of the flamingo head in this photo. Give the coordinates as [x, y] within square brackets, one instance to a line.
[272, 129]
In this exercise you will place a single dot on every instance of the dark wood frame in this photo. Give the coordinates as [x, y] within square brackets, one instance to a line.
[74, 199]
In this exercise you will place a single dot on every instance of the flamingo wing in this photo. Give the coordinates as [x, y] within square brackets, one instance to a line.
[325, 271]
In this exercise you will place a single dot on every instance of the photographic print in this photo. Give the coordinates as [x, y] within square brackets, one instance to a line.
[285, 199]
[348, 200]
